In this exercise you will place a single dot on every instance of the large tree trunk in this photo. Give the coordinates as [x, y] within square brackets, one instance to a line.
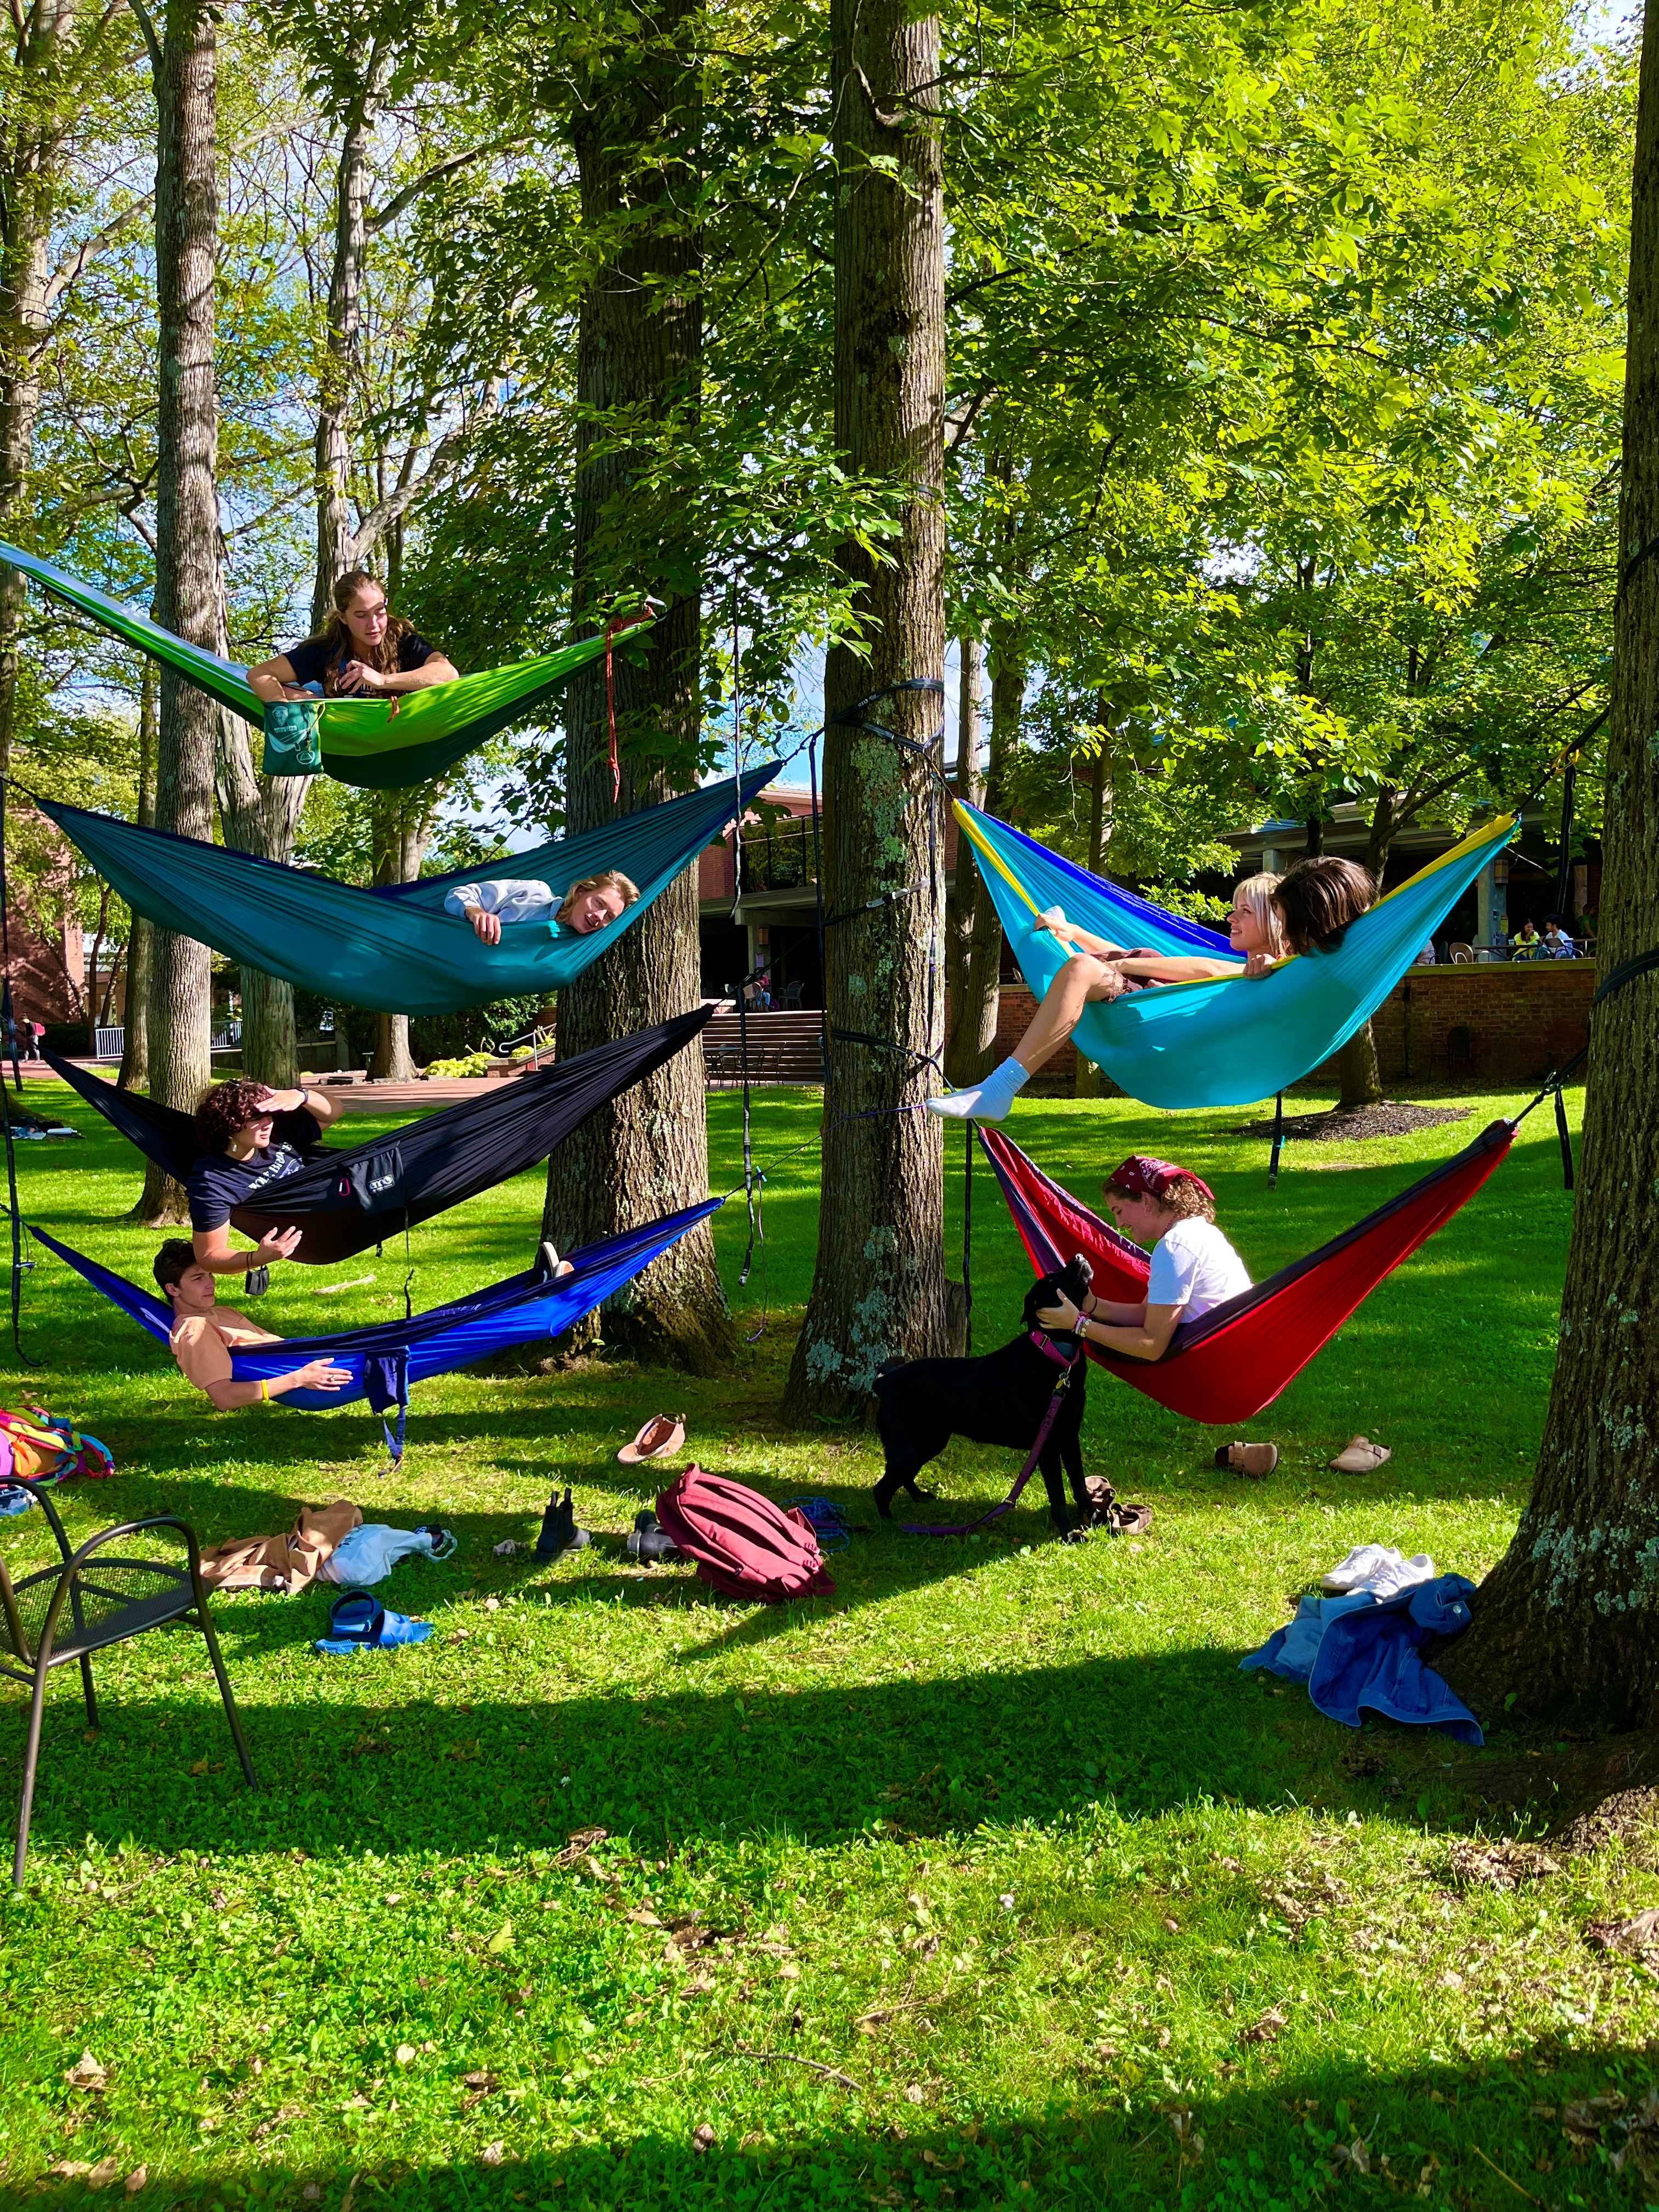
[639, 358]
[189, 595]
[337, 547]
[401, 822]
[1570, 1618]
[879, 1290]
[31, 143]
[976, 1026]
[261, 816]
[965, 1041]
[134, 1040]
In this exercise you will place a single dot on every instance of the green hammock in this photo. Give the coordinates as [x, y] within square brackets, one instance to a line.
[380, 744]
[395, 949]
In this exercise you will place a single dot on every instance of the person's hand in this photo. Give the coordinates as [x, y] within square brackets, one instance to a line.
[323, 1375]
[1259, 963]
[1058, 927]
[1063, 1316]
[486, 926]
[276, 1244]
[358, 676]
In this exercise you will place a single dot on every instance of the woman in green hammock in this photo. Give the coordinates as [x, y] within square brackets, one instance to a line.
[364, 648]
[1305, 910]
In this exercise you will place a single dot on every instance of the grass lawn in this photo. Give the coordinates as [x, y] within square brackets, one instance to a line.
[988, 1881]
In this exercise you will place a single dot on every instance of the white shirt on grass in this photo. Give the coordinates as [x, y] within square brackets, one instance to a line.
[1194, 1267]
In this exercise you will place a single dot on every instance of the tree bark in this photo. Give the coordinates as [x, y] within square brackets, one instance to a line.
[639, 361]
[964, 1036]
[1570, 1617]
[337, 545]
[401, 821]
[1360, 1079]
[189, 592]
[976, 1028]
[31, 143]
[879, 1290]
[134, 1040]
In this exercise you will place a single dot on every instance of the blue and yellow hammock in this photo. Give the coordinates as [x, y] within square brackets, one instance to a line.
[380, 744]
[394, 948]
[1233, 1039]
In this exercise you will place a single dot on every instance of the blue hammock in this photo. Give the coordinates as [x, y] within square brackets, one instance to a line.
[1233, 1039]
[387, 1358]
[394, 948]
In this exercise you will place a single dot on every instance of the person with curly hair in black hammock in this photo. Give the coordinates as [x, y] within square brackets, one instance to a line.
[363, 649]
[251, 1139]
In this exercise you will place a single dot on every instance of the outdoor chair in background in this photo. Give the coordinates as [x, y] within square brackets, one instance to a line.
[1460, 956]
[93, 1598]
[790, 997]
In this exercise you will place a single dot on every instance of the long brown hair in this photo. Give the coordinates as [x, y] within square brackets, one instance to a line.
[340, 643]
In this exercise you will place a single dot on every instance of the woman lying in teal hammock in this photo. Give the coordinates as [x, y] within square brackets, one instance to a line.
[364, 647]
[593, 903]
[1305, 910]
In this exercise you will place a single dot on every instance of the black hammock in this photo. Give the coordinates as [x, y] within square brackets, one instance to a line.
[344, 1201]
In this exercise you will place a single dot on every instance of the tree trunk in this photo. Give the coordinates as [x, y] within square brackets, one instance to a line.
[134, 1039]
[1359, 1077]
[31, 144]
[639, 360]
[1087, 1082]
[1570, 1617]
[879, 1290]
[337, 547]
[960, 900]
[976, 1028]
[401, 823]
[189, 595]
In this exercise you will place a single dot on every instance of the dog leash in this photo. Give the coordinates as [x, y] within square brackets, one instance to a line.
[1050, 1414]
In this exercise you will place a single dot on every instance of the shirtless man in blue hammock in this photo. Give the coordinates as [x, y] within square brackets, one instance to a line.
[1305, 910]
[205, 1334]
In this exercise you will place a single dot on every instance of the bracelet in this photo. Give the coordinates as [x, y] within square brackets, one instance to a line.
[265, 1388]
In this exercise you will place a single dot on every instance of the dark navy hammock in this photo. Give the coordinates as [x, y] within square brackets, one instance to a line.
[394, 948]
[1236, 1360]
[344, 1201]
[388, 1358]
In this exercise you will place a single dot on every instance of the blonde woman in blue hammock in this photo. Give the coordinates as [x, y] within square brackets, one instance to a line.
[1305, 910]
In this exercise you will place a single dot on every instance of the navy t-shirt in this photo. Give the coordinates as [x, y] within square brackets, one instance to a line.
[315, 659]
[218, 1183]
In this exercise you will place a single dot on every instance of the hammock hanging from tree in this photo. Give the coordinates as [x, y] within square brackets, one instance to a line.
[387, 1359]
[378, 743]
[394, 948]
[1236, 1360]
[1234, 1039]
[344, 1201]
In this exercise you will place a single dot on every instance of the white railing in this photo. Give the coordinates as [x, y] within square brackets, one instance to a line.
[111, 1043]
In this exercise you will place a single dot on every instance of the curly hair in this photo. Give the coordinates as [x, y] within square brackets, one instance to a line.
[1188, 1201]
[172, 1263]
[228, 1108]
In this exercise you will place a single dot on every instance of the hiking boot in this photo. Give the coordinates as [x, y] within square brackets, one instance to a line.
[559, 1533]
[649, 1540]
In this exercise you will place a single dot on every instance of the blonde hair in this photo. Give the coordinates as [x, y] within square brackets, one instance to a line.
[1257, 893]
[608, 879]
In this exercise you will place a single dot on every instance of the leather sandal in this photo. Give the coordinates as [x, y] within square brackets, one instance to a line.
[1359, 1455]
[1256, 1460]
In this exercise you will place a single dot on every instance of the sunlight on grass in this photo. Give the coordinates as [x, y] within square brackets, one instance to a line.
[988, 1881]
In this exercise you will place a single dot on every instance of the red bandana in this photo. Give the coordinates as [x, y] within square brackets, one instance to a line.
[1141, 1176]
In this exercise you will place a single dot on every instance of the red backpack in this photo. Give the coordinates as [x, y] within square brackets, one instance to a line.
[742, 1543]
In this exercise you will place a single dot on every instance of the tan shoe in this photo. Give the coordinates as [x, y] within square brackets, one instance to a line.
[1360, 1457]
[1256, 1460]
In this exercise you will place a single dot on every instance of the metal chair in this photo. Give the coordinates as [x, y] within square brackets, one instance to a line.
[110, 1600]
[1460, 956]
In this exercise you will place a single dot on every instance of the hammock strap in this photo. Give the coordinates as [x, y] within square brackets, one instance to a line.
[1279, 1140]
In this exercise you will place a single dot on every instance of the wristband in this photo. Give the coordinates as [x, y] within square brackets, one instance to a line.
[265, 1388]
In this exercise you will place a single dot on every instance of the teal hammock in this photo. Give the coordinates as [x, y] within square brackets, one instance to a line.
[380, 744]
[1231, 1041]
[393, 949]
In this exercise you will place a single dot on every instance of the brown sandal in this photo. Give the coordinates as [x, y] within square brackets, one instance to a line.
[1256, 1460]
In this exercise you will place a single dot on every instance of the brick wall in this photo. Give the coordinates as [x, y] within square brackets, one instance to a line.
[1522, 1019]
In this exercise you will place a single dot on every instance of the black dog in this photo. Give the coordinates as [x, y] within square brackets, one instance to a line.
[998, 1399]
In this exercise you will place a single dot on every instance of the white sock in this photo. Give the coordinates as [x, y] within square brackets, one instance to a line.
[990, 1100]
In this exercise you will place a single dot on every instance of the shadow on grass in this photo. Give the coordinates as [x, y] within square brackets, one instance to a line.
[1445, 2134]
[343, 1772]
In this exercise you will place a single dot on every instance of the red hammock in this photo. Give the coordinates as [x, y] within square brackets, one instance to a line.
[1237, 1359]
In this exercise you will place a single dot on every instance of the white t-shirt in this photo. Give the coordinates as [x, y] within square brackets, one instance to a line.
[1194, 1266]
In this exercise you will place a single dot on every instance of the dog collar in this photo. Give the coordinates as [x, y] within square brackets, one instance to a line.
[1051, 1350]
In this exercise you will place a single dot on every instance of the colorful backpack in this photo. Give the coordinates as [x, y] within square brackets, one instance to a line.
[742, 1543]
[37, 1447]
